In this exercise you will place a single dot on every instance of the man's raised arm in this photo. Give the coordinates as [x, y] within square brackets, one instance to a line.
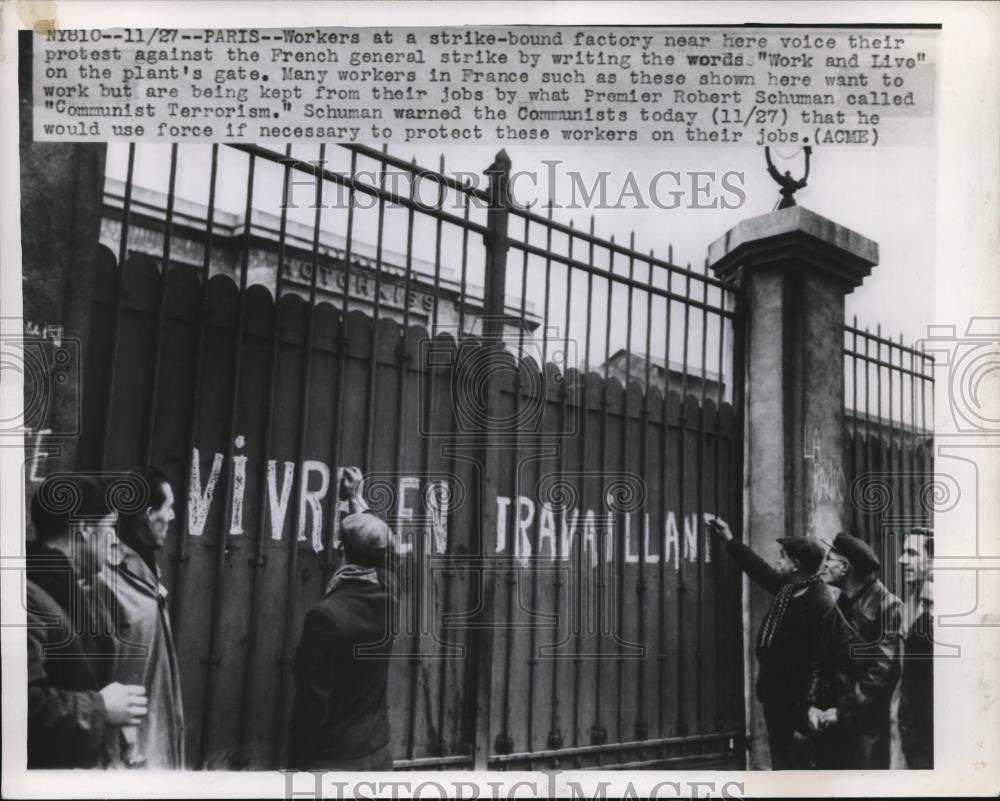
[759, 571]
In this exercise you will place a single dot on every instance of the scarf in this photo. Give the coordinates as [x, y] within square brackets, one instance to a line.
[772, 623]
[351, 572]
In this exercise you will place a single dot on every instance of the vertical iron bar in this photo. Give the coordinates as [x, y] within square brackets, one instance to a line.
[119, 301]
[533, 557]
[258, 560]
[441, 746]
[894, 477]
[417, 534]
[925, 457]
[555, 732]
[599, 734]
[585, 431]
[463, 283]
[161, 315]
[682, 507]
[181, 555]
[878, 367]
[330, 562]
[437, 251]
[720, 577]
[699, 545]
[285, 659]
[867, 456]
[373, 356]
[533, 653]
[620, 570]
[212, 659]
[907, 492]
[855, 449]
[497, 244]
[548, 287]
[641, 724]
[662, 655]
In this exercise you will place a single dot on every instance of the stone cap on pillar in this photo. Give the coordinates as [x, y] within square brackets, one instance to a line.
[794, 239]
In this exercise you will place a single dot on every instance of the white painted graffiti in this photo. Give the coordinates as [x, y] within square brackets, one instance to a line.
[556, 531]
[825, 480]
[421, 503]
[314, 483]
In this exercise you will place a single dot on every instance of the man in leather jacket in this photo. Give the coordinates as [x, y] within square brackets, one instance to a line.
[797, 645]
[858, 727]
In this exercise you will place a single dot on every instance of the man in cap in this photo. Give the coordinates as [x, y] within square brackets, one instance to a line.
[796, 644]
[340, 713]
[860, 721]
[916, 687]
[75, 707]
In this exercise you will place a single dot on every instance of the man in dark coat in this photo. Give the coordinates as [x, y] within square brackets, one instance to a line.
[859, 724]
[75, 709]
[916, 688]
[340, 714]
[797, 642]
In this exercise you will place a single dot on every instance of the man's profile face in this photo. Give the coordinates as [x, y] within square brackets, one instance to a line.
[785, 564]
[915, 561]
[835, 569]
[158, 520]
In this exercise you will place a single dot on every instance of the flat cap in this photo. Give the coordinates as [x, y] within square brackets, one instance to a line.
[365, 534]
[856, 551]
[804, 550]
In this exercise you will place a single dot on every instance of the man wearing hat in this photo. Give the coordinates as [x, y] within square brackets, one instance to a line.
[340, 714]
[797, 643]
[76, 709]
[861, 720]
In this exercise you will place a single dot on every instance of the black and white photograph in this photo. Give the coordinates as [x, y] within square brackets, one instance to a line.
[523, 393]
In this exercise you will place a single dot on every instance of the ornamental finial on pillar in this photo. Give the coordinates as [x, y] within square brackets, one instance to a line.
[789, 186]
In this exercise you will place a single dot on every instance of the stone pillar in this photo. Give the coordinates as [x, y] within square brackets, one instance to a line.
[62, 188]
[792, 269]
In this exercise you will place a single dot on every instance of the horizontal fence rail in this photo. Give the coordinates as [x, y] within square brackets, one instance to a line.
[545, 417]
[889, 414]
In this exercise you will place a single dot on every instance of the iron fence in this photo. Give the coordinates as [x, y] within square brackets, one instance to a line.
[889, 414]
[577, 393]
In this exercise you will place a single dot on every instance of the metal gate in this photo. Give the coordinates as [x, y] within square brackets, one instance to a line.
[889, 452]
[544, 416]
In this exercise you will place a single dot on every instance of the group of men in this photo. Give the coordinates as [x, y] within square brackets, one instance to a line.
[837, 652]
[103, 683]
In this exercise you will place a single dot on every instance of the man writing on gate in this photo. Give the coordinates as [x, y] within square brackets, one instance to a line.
[797, 645]
[130, 586]
[340, 713]
[857, 727]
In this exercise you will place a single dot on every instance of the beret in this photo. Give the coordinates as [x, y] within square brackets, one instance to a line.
[856, 551]
[804, 550]
[365, 533]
